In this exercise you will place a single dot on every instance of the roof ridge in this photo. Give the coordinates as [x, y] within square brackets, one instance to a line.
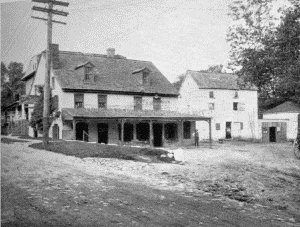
[200, 71]
[119, 57]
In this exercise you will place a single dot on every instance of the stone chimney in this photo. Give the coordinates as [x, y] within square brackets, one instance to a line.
[55, 55]
[110, 52]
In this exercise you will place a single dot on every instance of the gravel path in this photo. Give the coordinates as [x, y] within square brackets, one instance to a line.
[41, 188]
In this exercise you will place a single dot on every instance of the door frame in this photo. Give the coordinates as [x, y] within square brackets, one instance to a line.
[228, 135]
[274, 129]
[157, 134]
[106, 136]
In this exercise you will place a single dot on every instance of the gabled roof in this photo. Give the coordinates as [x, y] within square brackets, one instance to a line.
[208, 80]
[112, 74]
[30, 71]
[84, 64]
[286, 107]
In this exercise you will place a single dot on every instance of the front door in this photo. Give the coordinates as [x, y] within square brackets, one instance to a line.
[157, 135]
[103, 133]
[228, 130]
[82, 131]
[55, 132]
[272, 134]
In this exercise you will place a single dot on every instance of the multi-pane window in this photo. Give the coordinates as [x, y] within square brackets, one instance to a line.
[211, 106]
[78, 100]
[88, 73]
[145, 78]
[187, 130]
[171, 131]
[102, 101]
[211, 95]
[157, 103]
[138, 103]
[235, 106]
[242, 125]
[218, 126]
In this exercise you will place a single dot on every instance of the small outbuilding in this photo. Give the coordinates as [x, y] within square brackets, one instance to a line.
[280, 123]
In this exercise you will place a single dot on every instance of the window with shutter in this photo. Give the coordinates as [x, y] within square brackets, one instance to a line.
[156, 103]
[78, 100]
[102, 101]
[138, 103]
[235, 106]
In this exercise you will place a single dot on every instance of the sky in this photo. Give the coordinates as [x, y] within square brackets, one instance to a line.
[176, 35]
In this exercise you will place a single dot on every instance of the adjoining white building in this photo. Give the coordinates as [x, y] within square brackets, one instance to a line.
[280, 123]
[234, 110]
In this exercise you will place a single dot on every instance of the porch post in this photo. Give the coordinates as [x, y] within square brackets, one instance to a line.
[134, 132]
[122, 132]
[210, 136]
[151, 133]
[16, 113]
[181, 132]
[163, 134]
[74, 129]
[23, 112]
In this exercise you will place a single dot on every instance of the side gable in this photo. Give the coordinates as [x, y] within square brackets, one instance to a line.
[112, 75]
[286, 107]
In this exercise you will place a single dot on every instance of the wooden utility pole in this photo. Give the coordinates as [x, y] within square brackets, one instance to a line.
[50, 11]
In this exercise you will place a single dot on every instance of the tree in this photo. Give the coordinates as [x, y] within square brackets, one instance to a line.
[10, 82]
[252, 23]
[178, 82]
[214, 69]
[269, 60]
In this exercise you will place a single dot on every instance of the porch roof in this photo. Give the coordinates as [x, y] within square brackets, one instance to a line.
[70, 114]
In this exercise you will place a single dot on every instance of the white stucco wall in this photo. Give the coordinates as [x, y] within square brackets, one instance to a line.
[193, 99]
[292, 123]
[114, 101]
[39, 78]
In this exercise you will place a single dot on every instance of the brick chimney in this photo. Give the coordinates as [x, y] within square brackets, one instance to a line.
[55, 55]
[110, 52]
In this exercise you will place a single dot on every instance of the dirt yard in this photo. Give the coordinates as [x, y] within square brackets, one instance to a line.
[233, 184]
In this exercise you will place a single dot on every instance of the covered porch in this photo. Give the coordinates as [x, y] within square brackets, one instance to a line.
[144, 128]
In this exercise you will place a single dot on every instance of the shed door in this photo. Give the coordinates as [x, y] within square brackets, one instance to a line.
[272, 134]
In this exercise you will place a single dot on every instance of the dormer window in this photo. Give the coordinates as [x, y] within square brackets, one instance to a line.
[145, 78]
[88, 73]
[87, 69]
[142, 75]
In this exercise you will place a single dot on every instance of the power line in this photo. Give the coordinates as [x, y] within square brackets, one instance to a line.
[111, 6]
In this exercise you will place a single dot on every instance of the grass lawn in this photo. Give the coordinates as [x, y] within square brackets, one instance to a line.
[10, 141]
[84, 150]
[31, 138]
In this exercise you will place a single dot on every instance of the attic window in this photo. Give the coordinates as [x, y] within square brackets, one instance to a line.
[145, 78]
[87, 73]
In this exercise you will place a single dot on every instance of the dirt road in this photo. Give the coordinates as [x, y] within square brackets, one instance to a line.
[41, 188]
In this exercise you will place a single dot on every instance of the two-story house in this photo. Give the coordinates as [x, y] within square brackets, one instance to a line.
[234, 110]
[111, 99]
